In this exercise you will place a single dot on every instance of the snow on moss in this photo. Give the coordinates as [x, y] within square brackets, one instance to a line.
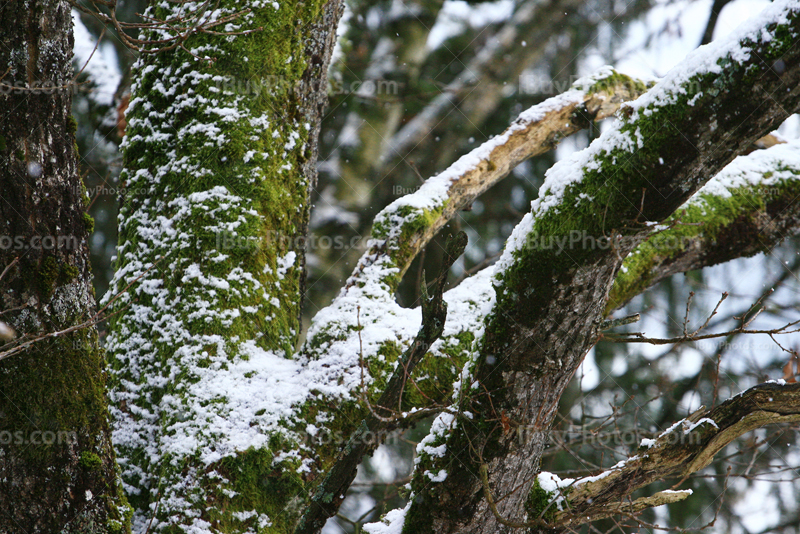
[391, 523]
[762, 168]
[743, 187]
[200, 376]
[625, 137]
[365, 317]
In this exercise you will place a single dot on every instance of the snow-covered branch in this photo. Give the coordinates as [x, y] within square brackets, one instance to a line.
[329, 494]
[409, 223]
[686, 447]
[403, 228]
[747, 208]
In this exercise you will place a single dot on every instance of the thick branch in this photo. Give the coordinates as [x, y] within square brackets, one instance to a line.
[747, 208]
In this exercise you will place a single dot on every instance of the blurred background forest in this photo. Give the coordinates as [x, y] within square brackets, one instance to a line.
[417, 83]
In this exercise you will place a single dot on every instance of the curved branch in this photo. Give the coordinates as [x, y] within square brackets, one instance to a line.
[549, 305]
[404, 227]
[684, 448]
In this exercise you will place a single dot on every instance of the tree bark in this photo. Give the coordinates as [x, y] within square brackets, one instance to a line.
[57, 467]
[550, 303]
[219, 162]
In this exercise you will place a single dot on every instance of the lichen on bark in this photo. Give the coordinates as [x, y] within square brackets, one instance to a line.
[57, 467]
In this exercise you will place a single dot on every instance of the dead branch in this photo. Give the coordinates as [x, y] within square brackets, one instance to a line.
[681, 450]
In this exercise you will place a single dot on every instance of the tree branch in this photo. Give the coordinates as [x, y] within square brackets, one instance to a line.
[330, 493]
[685, 448]
[749, 207]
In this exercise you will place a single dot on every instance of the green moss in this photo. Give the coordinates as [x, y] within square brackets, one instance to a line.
[66, 377]
[72, 125]
[250, 481]
[46, 275]
[68, 273]
[404, 244]
[538, 503]
[417, 520]
[435, 374]
[90, 461]
[616, 79]
[2, 143]
[88, 222]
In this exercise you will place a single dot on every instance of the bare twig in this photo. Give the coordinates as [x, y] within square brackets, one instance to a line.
[95, 319]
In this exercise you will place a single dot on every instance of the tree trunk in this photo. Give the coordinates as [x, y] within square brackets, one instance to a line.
[219, 160]
[57, 467]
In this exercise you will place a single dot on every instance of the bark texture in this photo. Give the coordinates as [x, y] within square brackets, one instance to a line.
[219, 161]
[57, 466]
[550, 304]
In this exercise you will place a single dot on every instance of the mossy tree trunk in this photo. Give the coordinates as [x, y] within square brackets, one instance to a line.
[57, 466]
[219, 161]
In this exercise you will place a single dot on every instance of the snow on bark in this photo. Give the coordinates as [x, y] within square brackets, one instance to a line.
[209, 271]
[548, 307]
[401, 229]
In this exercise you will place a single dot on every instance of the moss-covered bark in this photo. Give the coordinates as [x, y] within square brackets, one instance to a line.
[218, 164]
[551, 300]
[57, 466]
[751, 213]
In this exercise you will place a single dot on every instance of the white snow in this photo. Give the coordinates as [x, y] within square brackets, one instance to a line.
[782, 161]
[392, 522]
[704, 420]
[647, 442]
